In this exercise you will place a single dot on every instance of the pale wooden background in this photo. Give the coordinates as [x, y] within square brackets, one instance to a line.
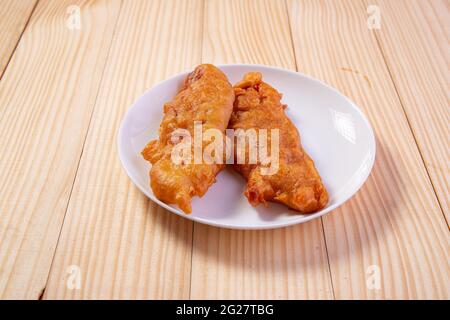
[65, 200]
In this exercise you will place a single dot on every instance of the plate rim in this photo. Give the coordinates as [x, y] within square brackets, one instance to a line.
[274, 225]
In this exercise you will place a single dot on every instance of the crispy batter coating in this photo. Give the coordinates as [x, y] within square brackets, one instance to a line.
[206, 96]
[297, 183]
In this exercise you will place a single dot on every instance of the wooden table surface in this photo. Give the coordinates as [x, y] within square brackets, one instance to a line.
[72, 224]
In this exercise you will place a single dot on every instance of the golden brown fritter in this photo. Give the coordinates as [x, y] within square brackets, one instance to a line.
[208, 97]
[297, 183]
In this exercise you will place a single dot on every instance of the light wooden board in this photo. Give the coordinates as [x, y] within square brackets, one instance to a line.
[14, 17]
[275, 264]
[395, 221]
[46, 99]
[124, 245]
[415, 43]
[66, 205]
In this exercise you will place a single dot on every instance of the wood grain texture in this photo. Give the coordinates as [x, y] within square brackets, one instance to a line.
[125, 245]
[14, 17]
[62, 188]
[414, 39]
[274, 264]
[394, 222]
[46, 100]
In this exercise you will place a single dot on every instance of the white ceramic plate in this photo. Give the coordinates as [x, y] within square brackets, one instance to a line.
[333, 131]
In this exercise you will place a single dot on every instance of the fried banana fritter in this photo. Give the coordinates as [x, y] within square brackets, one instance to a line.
[207, 97]
[297, 183]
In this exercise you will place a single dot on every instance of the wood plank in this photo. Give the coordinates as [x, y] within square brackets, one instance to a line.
[46, 99]
[15, 15]
[274, 264]
[394, 222]
[437, 14]
[415, 41]
[126, 246]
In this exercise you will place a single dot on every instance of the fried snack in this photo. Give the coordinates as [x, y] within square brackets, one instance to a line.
[297, 183]
[206, 96]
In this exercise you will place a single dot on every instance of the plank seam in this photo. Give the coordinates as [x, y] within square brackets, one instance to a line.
[291, 36]
[192, 260]
[321, 218]
[328, 258]
[194, 223]
[42, 296]
[18, 40]
[380, 47]
[203, 29]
